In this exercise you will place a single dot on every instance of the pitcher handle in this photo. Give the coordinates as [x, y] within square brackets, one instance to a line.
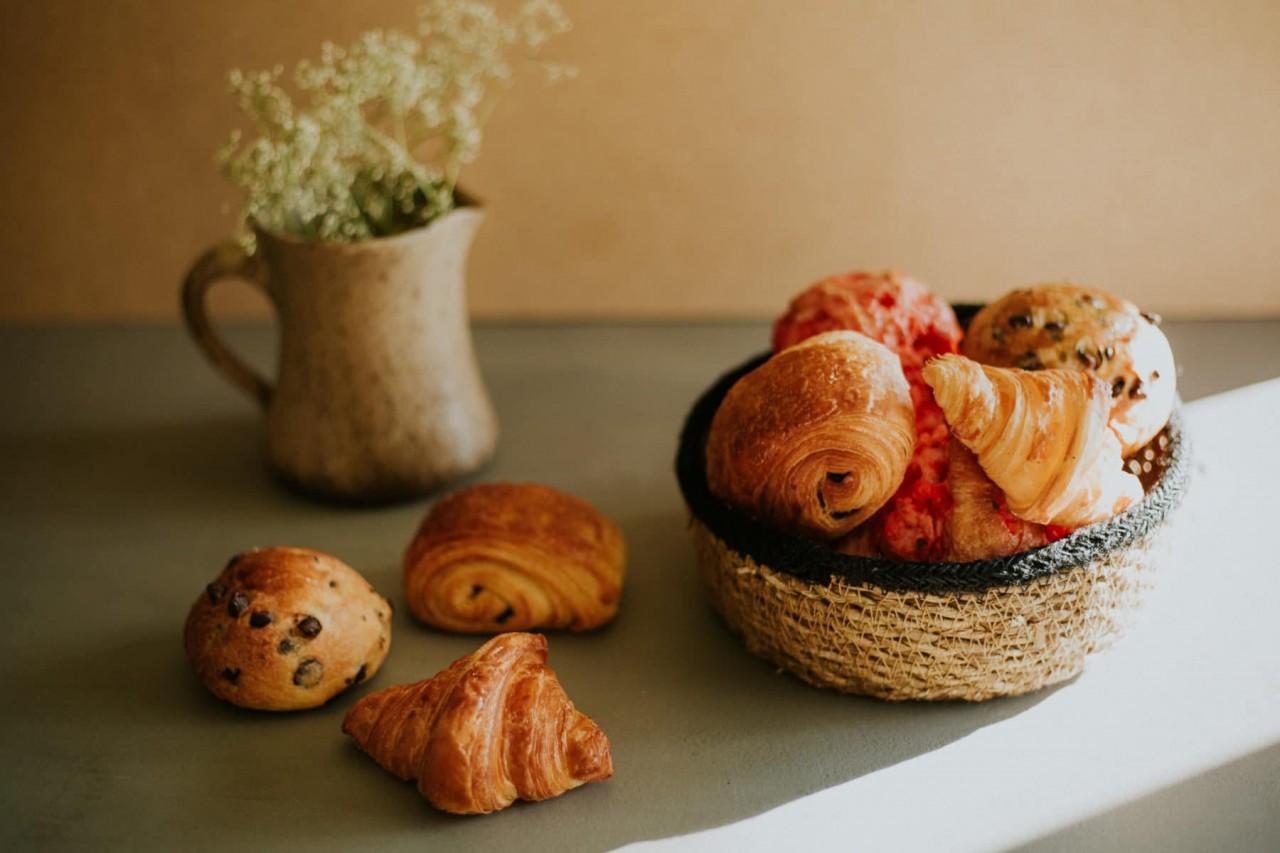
[223, 261]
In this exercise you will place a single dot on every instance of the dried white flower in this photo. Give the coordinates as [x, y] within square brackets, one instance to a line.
[389, 121]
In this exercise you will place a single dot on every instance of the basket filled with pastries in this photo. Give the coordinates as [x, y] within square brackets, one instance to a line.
[910, 501]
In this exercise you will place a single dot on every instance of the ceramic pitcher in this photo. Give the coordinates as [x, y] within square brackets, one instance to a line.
[377, 395]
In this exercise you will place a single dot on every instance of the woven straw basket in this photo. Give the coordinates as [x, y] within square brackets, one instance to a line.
[903, 630]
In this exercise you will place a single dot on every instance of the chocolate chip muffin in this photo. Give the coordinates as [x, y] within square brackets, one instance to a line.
[286, 628]
[1058, 325]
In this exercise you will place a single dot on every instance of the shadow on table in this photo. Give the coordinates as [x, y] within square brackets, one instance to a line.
[213, 464]
[1232, 807]
[140, 469]
[188, 473]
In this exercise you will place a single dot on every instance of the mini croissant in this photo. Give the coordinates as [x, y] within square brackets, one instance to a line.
[494, 727]
[817, 438]
[1042, 437]
[514, 556]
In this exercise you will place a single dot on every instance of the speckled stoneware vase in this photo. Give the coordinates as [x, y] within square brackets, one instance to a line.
[378, 396]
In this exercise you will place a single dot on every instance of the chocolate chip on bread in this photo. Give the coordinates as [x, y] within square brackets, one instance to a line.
[282, 629]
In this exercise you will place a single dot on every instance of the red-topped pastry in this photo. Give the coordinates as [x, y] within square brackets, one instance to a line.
[889, 307]
[910, 320]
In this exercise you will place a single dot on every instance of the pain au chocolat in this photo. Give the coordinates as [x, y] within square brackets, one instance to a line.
[513, 557]
[817, 438]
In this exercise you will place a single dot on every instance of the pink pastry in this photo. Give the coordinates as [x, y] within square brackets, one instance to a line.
[905, 316]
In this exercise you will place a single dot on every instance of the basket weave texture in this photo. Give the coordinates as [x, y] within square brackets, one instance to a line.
[902, 630]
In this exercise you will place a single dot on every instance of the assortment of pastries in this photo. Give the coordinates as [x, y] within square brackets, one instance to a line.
[879, 426]
[283, 629]
[1021, 424]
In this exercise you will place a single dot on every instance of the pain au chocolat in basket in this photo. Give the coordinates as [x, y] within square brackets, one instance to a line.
[911, 502]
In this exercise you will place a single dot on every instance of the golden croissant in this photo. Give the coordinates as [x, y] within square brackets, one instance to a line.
[1041, 436]
[817, 438]
[514, 556]
[494, 727]
[1068, 325]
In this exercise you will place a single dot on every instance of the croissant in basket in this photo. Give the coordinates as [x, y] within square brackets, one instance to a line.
[1042, 437]
[494, 727]
[1083, 328]
[817, 438]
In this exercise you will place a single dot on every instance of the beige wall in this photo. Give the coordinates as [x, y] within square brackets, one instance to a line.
[714, 157]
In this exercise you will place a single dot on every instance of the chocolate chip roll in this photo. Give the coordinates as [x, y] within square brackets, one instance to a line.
[817, 438]
[1069, 326]
[514, 557]
[286, 628]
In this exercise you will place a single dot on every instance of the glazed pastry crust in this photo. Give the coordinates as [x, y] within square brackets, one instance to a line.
[494, 727]
[282, 629]
[514, 556]
[817, 438]
[1041, 436]
[1059, 325]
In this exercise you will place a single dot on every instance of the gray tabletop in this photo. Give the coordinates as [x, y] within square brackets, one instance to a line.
[131, 472]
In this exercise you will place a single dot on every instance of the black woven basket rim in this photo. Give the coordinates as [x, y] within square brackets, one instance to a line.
[811, 561]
